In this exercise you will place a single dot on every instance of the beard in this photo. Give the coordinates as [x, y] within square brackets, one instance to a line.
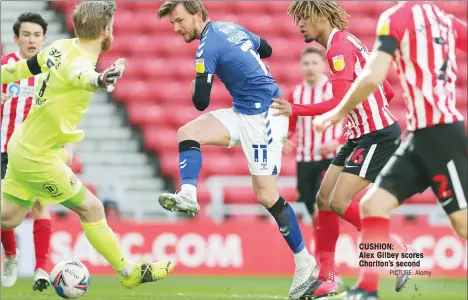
[192, 34]
[106, 44]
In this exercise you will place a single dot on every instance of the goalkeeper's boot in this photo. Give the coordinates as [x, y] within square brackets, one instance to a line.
[10, 270]
[303, 276]
[179, 203]
[404, 275]
[41, 280]
[145, 272]
[353, 294]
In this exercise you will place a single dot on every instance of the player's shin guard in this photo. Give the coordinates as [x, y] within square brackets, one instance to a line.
[287, 223]
[374, 230]
[42, 232]
[9, 242]
[190, 162]
[103, 239]
[328, 230]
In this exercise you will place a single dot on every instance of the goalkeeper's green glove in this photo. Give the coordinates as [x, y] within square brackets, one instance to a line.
[108, 78]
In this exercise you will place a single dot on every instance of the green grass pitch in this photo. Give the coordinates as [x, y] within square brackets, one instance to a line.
[239, 288]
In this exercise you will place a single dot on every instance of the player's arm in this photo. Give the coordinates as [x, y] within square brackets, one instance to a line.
[292, 119]
[264, 50]
[82, 75]
[21, 69]
[339, 86]
[261, 45]
[205, 65]
[341, 59]
[373, 74]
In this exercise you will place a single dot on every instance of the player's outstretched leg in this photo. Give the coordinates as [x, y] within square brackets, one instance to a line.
[204, 130]
[103, 239]
[306, 268]
[13, 212]
[41, 232]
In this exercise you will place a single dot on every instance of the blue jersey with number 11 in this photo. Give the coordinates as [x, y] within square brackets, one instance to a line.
[230, 52]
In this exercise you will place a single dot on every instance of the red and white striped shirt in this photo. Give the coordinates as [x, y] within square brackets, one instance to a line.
[310, 141]
[15, 110]
[425, 60]
[347, 57]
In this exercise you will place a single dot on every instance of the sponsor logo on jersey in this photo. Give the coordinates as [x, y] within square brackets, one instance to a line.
[14, 89]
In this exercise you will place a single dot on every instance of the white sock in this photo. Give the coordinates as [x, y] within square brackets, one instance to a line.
[302, 258]
[125, 272]
[189, 190]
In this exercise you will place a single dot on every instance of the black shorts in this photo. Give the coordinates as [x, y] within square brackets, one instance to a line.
[433, 157]
[367, 155]
[309, 178]
[4, 164]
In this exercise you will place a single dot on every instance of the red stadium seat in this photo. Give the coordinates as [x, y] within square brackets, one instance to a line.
[161, 139]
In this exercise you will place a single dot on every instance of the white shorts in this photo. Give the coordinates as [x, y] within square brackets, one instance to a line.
[262, 138]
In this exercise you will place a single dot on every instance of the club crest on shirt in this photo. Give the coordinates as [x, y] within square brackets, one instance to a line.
[200, 65]
[338, 63]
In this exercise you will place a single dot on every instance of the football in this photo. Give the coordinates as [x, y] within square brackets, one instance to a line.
[70, 279]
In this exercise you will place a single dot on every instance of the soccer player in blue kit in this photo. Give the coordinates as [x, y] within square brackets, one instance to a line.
[234, 55]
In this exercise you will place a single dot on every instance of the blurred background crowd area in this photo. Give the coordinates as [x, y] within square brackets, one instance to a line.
[130, 152]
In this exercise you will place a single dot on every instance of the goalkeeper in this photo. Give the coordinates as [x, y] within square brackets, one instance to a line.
[36, 170]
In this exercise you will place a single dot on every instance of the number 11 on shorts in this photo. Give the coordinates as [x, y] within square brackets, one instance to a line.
[257, 149]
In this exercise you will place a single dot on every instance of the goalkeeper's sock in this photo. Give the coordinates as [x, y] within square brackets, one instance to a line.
[190, 163]
[288, 226]
[9, 242]
[103, 239]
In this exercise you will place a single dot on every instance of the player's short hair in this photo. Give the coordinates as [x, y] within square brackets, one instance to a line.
[90, 18]
[305, 9]
[193, 7]
[30, 18]
[311, 50]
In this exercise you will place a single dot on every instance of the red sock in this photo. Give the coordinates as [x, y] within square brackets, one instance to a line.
[9, 242]
[42, 232]
[352, 215]
[328, 230]
[374, 230]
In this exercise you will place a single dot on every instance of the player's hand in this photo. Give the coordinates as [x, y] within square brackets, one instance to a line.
[322, 122]
[329, 148]
[5, 97]
[288, 147]
[192, 87]
[108, 78]
[283, 106]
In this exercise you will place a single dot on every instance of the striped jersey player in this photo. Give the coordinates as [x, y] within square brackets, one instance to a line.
[15, 111]
[373, 135]
[422, 40]
[314, 150]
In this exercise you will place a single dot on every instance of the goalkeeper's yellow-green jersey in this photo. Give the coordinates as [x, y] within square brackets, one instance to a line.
[62, 94]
